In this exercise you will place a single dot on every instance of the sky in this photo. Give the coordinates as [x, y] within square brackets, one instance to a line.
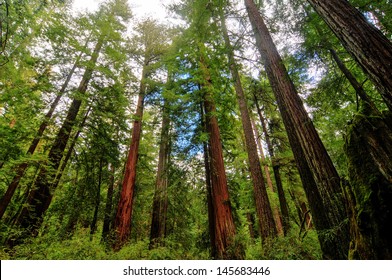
[140, 8]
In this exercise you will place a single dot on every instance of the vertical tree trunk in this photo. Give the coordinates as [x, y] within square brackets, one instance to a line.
[320, 178]
[108, 207]
[224, 224]
[207, 170]
[284, 208]
[21, 168]
[370, 48]
[40, 197]
[251, 225]
[159, 208]
[122, 224]
[275, 210]
[93, 226]
[263, 207]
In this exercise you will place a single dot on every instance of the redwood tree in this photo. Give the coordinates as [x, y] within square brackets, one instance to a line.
[320, 178]
[263, 207]
[159, 208]
[122, 224]
[223, 218]
[150, 44]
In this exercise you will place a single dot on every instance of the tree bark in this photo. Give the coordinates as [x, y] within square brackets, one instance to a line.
[369, 152]
[40, 197]
[370, 48]
[320, 178]
[277, 217]
[207, 170]
[160, 203]
[224, 224]
[263, 207]
[122, 224]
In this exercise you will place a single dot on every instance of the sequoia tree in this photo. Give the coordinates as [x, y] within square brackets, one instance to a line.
[319, 177]
[150, 52]
[159, 208]
[263, 207]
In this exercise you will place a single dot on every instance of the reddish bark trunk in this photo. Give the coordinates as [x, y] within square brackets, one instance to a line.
[224, 223]
[319, 176]
[263, 207]
[122, 224]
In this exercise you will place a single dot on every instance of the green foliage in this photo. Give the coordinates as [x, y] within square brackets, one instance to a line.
[289, 247]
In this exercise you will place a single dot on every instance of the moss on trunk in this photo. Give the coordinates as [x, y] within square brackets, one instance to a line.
[369, 151]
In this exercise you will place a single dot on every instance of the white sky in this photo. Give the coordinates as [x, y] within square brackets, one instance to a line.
[140, 8]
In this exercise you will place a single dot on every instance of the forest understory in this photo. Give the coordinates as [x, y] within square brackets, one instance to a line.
[232, 129]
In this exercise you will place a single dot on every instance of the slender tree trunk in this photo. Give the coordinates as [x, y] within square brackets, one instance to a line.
[93, 226]
[275, 210]
[69, 152]
[108, 207]
[284, 208]
[21, 168]
[370, 48]
[320, 178]
[262, 156]
[207, 169]
[352, 80]
[159, 208]
[224, 224]
[251, 225]
[122, 224]
[263, 207]
[40, 197]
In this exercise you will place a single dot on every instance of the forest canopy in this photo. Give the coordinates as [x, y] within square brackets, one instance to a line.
[231, 129]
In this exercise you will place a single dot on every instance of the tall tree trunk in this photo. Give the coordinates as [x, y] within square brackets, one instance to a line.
[320, 178]
[71, 148]
[263, 207]
[159, 208]
[40, 197]
[284, 208]
[122, 224]
[224, 223]
[93, 226]
[207, 170]
[108, 207]
[21, 168]
[370, 48]
[275, 209]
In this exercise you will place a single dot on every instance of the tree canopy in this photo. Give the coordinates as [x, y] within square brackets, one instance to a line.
[232, 130]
